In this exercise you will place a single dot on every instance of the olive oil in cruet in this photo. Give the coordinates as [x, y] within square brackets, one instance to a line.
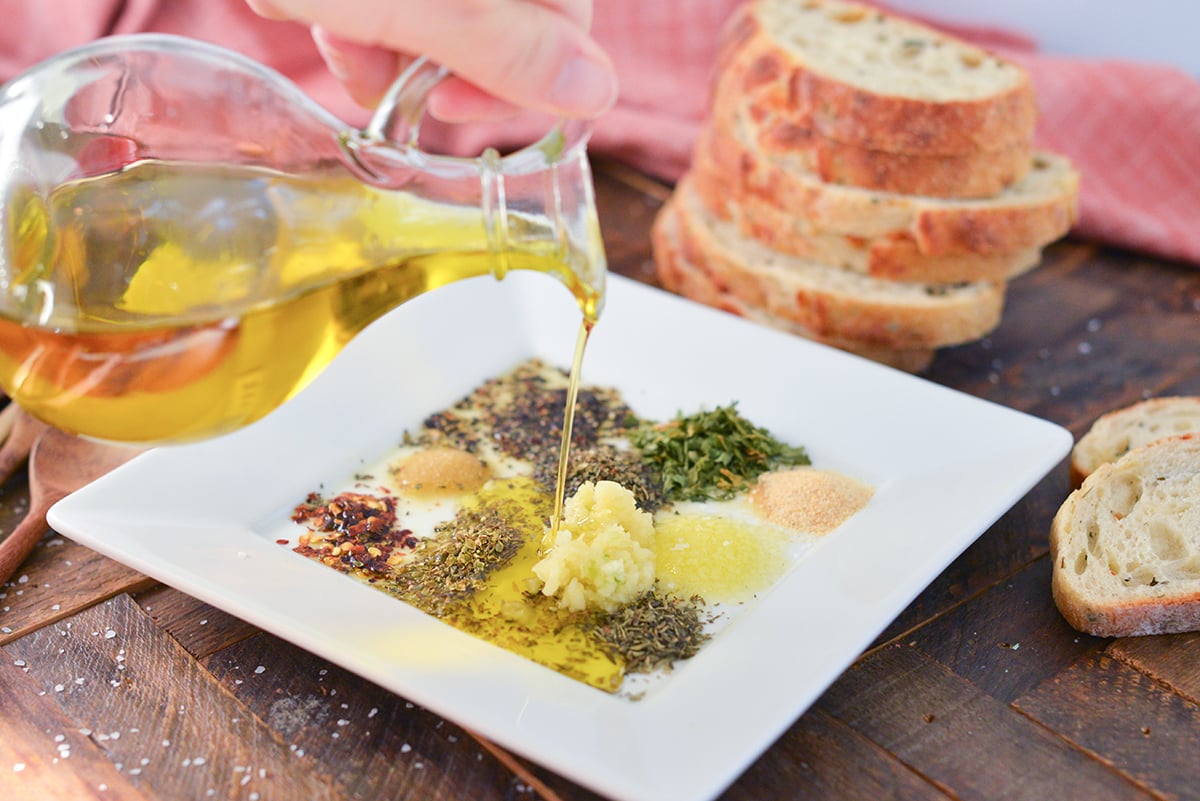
[187, 239]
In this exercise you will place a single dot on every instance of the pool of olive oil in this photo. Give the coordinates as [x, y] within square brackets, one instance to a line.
[506, 613]
[171, 302]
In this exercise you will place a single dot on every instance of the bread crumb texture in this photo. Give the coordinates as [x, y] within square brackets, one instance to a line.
[1126, 544]
[808, 499]
[603, 553]
[887, 54]
[1122, 430]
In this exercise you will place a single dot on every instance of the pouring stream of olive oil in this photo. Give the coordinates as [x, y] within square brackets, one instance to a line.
[143, 312]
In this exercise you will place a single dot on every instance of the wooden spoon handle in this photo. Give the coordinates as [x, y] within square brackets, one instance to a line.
[16, 546]
[24, 431]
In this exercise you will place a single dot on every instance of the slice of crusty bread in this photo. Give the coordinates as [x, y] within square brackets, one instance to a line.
[677, 274]
[982, 173]
[894, 256]
[1031, 213]
[1122, 430]
[831, 302]
[853, 74]
[1126, 544]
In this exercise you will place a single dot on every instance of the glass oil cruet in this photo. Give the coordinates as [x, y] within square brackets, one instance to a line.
[188, 238]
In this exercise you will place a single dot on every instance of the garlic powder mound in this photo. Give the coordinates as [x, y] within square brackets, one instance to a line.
[603, 554]
[808, 499]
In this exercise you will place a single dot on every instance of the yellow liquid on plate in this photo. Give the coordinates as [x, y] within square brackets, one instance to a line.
[144, 309]
[721, 559]
[531, 626]
[147, 311]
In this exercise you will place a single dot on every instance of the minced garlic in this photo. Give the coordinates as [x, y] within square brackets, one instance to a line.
[603, 554]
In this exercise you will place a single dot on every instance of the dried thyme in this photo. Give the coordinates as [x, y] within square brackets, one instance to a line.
[712, 455]
[652, 632]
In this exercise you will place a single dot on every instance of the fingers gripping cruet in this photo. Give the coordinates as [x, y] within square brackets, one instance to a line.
[189, 239]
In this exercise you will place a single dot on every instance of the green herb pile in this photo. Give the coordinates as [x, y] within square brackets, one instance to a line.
[652, 632]
[454, 564]
[712, 455]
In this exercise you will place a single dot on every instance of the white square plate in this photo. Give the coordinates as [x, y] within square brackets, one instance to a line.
[945, 466]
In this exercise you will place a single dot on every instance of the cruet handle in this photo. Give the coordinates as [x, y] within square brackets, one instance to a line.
[536, 199]
[397, 119]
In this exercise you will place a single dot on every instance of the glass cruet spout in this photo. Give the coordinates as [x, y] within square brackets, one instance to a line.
[188, 238]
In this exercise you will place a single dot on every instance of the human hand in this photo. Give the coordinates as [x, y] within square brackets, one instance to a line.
[504, 54]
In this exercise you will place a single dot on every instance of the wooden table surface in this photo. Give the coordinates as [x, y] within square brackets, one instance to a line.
[114, 686]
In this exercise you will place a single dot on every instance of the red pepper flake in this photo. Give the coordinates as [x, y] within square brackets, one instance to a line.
[353, 532]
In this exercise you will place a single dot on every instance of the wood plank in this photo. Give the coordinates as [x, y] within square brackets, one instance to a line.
[821, 757]
[1125, 718]
[1185, 385]
[44, 754]
[1173, 659]
[1135, 355]
[166, 724]
[60, 579]
[961, 738]
[1018, 538]
[201, 629]
[1079, 337]
[626, 203]
[1003, 653]
[1035, 317]
[374, 743]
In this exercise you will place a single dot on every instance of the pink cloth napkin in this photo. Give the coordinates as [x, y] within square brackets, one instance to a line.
[1132, 129]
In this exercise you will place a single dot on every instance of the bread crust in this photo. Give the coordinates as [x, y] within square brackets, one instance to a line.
[676, 274]
[832, 303]
[1132, 426]
[895, 256]
[979, 174]
[1130, 608]
[1031, 213]
[765, 55]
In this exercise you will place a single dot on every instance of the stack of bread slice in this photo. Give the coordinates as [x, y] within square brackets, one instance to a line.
[862, 180]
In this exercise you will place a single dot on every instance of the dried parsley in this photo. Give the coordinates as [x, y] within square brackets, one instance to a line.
[712, 455]
[652, 632]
